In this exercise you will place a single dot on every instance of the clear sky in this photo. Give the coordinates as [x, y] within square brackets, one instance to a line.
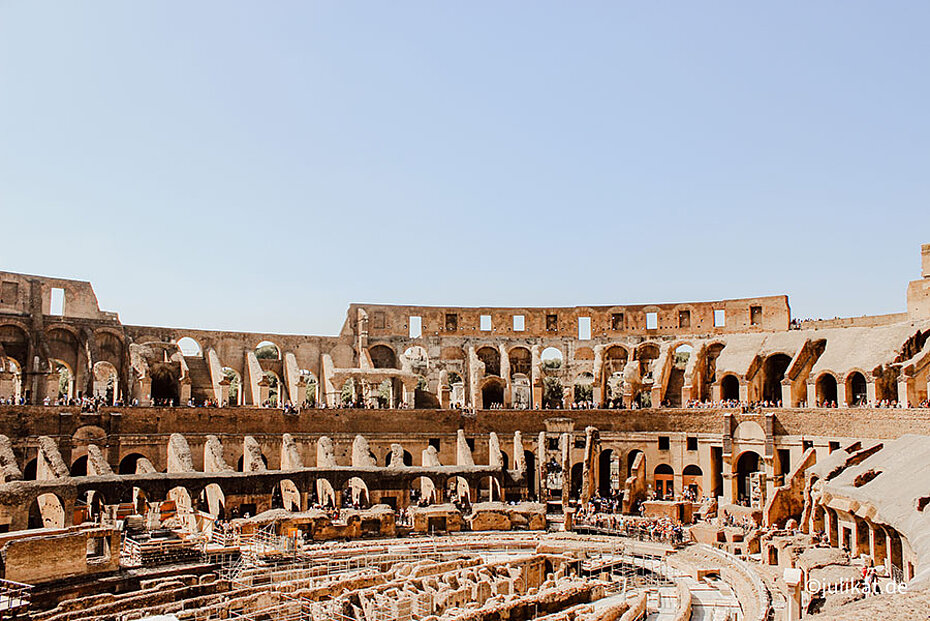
[259, 165]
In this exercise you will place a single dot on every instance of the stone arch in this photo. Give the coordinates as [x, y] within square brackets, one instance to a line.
[491, 357]
[240, 464]
[110, 346]
[166, 388]
[290, 495]
[521, 391]
[608, 472]
[664, 477]
[64, 379]
[190, 347]
[747, 463]
[458, 490]
[585, 354]
[214, 499]
[79, 467]
[492, 393]
[423, 491]
[325, 493]
[553, 394]
[358, 492]
[129, 464]
[64, 344]
[276, 389]
[583, 389]
[552, 358]
[856, 388]
[521, 361]
[89, 507]
[489, 489]
[577, 479]
[267, 350]
[418, 358]
[14, 339]
[631, 459]
[235, 385]
[773, 372]
[826, 389]
[382, 357]
[106, 382]
[729, 388]
[46, 511]
[31, 469]
[692, 479]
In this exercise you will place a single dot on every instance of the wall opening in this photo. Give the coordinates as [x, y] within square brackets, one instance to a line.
[58, 302]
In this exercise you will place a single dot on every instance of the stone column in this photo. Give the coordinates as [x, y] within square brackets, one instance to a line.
[794, 579]
[540, 473]
[592, 447]
[743, 390]
[787, 394]
[565, 444]
[811, 394]
[870, 391]
[536, 378]
[473, 378]
[841, 394]
[505, 375]
[904, 397]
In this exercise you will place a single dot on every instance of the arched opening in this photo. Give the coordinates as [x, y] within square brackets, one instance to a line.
[646, 354]
[856, 389]
[325, 493]
[665, 482]
[129, 463]
[30, 471]
[290, 495]
[458, 491]
[492, 394]
[15, 390]
[408, 458]
[382, 357]
[748, 463]
[631, 459]
[773, 372]
[63, 377]
[178, 508]
[826, 390]
[266, 350]
[422, 397]
[521, 362]
[577, 481]
[422, 491]
[709, 374]
[488, 490]
[418, 359]
[235, 385]
[189, 347]
[165, 387]
[729, 388]
[356, 492]
[584, 388]
[89, 507]
[530, 458]
[46, 511]
[615, 359]
[676, 376]
[240, 464]
[311, 384]
[347, 394]
[79, 467]
[214, 499]
[106, 382]
[491, 357]
[551, 358]
[608, 473]
[552, 393]
[691, 481]
[275, 393]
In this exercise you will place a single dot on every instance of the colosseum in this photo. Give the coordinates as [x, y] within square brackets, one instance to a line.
[707, 460]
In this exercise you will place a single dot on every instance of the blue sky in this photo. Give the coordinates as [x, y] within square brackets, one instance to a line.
[258, 166]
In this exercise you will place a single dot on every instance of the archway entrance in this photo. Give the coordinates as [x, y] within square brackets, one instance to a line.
[729, 388]
[748, 463]
[826, 390]
[856, 391]
[665, 482]
[492, 395]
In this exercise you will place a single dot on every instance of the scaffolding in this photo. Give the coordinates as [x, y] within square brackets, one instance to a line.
[15, 599]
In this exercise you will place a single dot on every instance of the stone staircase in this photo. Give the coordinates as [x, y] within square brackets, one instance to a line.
[201, 380]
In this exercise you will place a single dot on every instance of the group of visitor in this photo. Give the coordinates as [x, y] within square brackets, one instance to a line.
[662, 530]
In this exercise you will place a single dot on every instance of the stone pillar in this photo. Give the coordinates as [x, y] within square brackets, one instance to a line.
[841, 394]
[473, 378]
[787, 394]
[812, 394]
[536, 387]
[656, 394]
[870, 391]
[592, 446]
[794, 579]
[565, 445]
[301, 391]
[224, 392]
[505, 375]
[6, 384]
[715, 391]
[743, 390]
[185, 391]
[904, 397]
[540, 473]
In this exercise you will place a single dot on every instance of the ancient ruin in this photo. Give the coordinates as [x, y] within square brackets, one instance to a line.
[669, 461]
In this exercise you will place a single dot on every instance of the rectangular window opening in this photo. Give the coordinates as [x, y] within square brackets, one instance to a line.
[692, 443]
[664, 443]
[452, 322]
[552, 323]
[652, 321]
[519, 323]
[616, 321]
[416, 327]
[755, 315]
[471, 443]
[435, 443]
[720, 318]
[58, 302]
[584, 328]
[684, 319]
[485, 323]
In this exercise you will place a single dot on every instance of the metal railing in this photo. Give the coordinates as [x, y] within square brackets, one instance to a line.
[15, 598]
